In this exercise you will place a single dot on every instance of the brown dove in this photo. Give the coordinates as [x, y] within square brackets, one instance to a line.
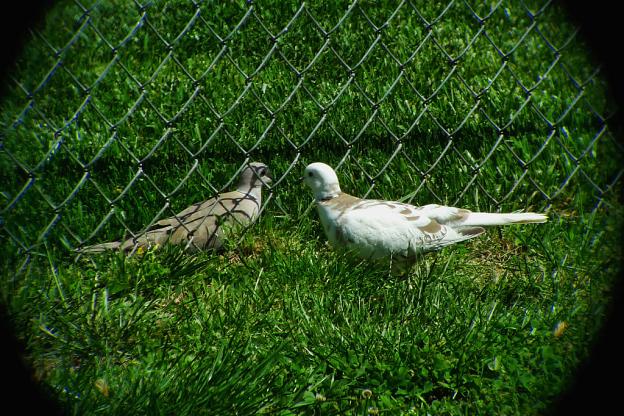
[203, 225]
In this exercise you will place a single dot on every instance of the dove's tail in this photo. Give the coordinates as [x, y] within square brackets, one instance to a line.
[481, 219]
[100, 248]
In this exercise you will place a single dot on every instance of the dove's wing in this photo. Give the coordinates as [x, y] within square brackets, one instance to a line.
[441, 213]
[243, 206]
[200, 225]
[382, 228]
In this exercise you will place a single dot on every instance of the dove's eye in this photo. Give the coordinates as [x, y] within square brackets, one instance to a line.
[310, 174]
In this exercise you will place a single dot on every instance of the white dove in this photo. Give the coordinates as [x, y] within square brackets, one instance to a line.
[204, 225]
[375, 229]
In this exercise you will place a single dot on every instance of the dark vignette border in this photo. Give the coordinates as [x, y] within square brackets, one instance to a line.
[598, 384]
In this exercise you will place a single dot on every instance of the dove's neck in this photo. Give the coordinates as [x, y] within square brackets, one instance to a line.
[328, 192]
[253, 191]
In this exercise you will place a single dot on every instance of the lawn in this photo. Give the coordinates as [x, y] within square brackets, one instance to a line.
[118, 114]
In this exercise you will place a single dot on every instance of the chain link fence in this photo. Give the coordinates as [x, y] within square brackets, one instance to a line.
[120, 105]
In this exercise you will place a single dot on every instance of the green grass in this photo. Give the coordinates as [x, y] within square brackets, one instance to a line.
[281, 323]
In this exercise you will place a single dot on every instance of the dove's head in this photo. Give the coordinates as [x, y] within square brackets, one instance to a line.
[253, 176]
[322, 179]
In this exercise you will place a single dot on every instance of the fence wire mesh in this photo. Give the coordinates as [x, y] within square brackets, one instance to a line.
[120, 105]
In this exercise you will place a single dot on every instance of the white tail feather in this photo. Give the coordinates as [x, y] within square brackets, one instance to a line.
[488, 219]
